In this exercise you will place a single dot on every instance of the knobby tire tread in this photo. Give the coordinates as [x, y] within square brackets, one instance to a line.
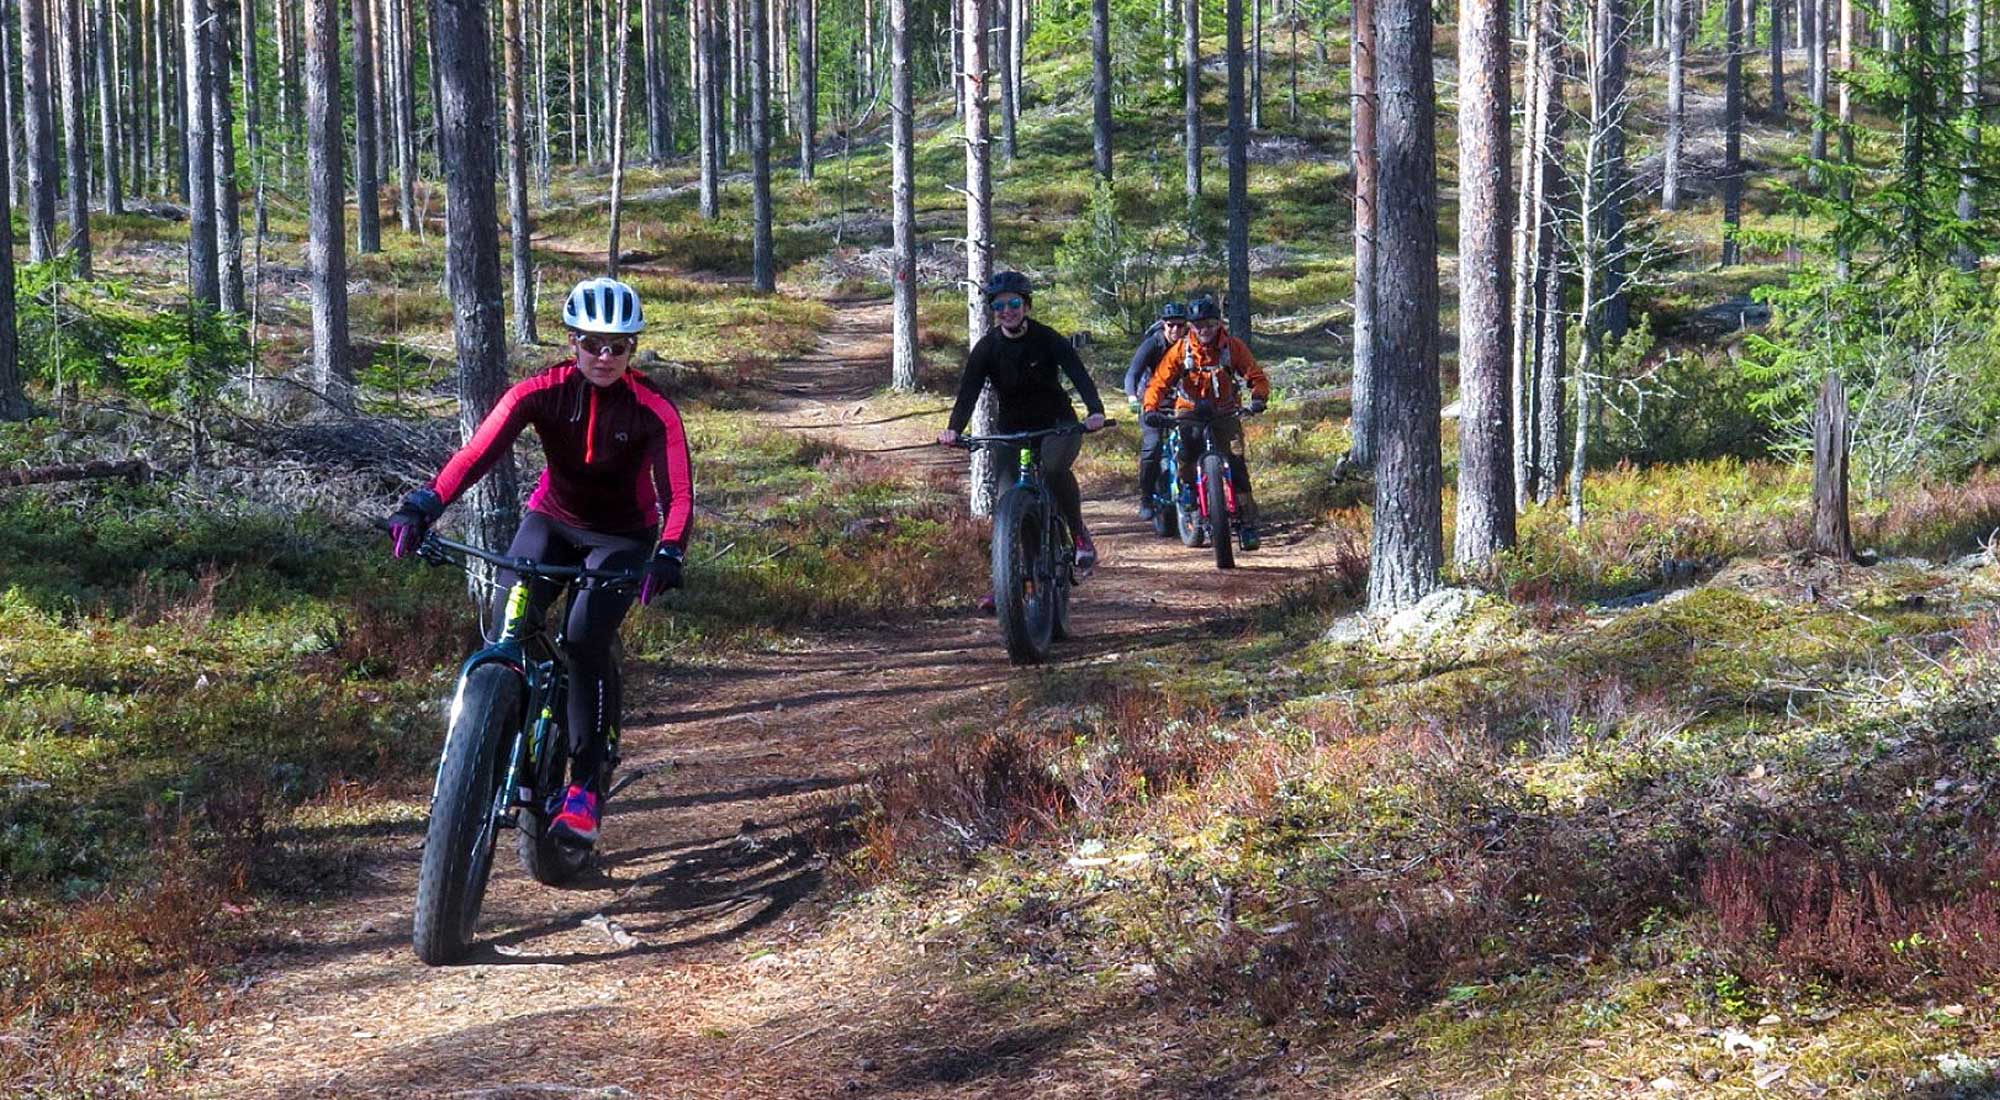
[1215, 481]
[452, 883]
[1017, 542]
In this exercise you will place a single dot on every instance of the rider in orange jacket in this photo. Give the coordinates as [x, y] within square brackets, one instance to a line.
[1202, 375]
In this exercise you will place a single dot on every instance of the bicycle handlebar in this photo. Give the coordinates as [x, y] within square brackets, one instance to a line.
[1015, 439]
[438, 550]
[1160, 418]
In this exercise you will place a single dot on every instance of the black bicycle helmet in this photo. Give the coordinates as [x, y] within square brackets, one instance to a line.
[1205, 308]
[1174, 311]
[1010, 282]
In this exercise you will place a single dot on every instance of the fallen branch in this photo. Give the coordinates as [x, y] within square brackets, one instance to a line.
[133, 470]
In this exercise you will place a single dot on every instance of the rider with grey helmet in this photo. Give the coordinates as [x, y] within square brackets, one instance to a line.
[1165, 333]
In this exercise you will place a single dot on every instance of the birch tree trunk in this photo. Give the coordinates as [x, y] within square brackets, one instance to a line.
[978, 231]
[763, 253]
[13, 395]
[1362, 94]
[520, 226]
[326, 238]
[806, 43]
[904, 360]
[1486, 465]
[1100, 87]
[711, 205]
[1409, 464]
[1968, 179]
[40, 128]
[1191, 99]
[1238, 242]
[76, 134]
[1814, 13]
[1257, 66]
[1846, 186]
[468, 142]
[1538, 84]
[1008, 105]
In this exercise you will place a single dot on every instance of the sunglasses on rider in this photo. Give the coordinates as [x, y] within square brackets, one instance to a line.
[1001, 305]
[603, 348]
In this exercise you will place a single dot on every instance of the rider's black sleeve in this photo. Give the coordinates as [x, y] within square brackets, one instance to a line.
[1148, 356]
[970, 383]
[1086, 388]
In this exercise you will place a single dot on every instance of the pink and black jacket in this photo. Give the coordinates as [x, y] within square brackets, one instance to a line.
[617, 455]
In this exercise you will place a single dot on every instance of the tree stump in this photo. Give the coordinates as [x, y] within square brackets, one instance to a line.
[1832, 435]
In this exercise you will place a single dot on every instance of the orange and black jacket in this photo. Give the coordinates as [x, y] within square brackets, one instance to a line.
[1192, 372]
[617, 454]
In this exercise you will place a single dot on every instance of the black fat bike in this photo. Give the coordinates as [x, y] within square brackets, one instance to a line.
[505, 761]
[1034, 551]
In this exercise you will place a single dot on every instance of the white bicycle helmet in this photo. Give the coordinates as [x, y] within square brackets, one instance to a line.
[604, 306]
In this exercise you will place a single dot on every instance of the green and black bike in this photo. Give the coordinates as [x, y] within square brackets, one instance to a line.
[1034, 551]
[505, 762]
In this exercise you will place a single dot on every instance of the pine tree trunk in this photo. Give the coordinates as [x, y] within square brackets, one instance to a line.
[1670, 179]
[173, 91]
[656, 151]
[1257, 66]
[228, 205]
[13, 395]
[733, 108]
[1367, 189]
[1530, 218]
[10, 98]
[711, 204]
[978, 230]
[472, 245]
[904, 360]
[1100, 87]
[1608, 151]
[76, 134]
[618, 141]
[367, 180]
[40, 129]
[1409, 465]
[204, 270]
[406, 110]
[1238, 236]
[253, 114]
[1777, 45]
[326, 238]
[1968, 178]
[1005, 25]
[1732, 133]
[110, 142]
[807, 45]
[1191, 99]
[1846, 186]
[1551, 381]
[1815, 12]
[520, 227]
[1485, 433]
[1832, 438]
[763, 254]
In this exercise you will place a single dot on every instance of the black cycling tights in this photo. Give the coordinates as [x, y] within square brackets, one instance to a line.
[594, 683]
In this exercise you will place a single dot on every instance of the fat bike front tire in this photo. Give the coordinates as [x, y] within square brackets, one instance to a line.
[1023, 595]
[1215, 483]
[458, 849]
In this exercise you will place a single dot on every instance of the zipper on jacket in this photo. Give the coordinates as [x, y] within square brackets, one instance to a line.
[590, 429]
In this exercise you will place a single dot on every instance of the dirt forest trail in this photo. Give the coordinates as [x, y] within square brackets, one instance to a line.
[702, 958]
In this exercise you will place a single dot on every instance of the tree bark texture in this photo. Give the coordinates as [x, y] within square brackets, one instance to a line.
[904, 360]
[109, 113]
[40, 130]
[806, 44]
[978, 229]
[1732, 132]
[1100, 86]
[1409, 464]
[763, 254]
[1191, 98]
[1816, 21]
[1238, 246]
[1777, 45]
[1608, 144]
[1530, 220]
[1973, 19]
[472, 244]
[1362, 94]
[204, 270]
[76, 134]
[10, 97]
[13, 393]
[705, 78]
[367, 177]
[621, 80]
[1832, 437]
[326, 238]
[1670, 177]
[1009, 106]
[1486, 462]
[520, 224]
[228, 204]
